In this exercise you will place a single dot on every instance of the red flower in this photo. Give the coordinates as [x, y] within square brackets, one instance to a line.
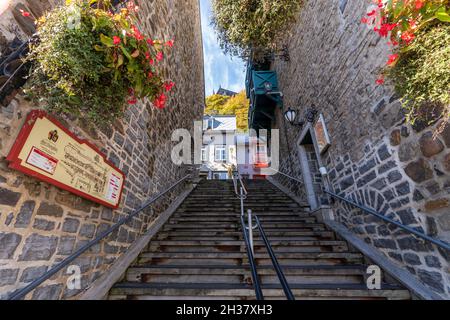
[150, 74]
[25, 13]
[169, 43]
[116, 40]
[159, 56]
[132, 100]
[137, 34]
[150, 42]
[169, 85]
[392, 59]
[419, 4]
[407, 37]
[160, 102]
[147, 55]
[151, 61]
[380, 81]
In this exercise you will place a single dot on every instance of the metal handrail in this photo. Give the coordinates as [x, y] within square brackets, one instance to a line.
[421, 235]
[236, 176]
[288, 176]
[251, 259]
[18, 294]
[276, 265]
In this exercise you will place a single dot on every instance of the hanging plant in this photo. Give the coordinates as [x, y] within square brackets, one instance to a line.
[257, 26]
[92, 62]
[419, 33]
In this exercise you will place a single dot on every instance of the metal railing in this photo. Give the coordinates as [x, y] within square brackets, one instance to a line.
[248, 238]
[21, 293]
[419, 234]
[251, 260]
[411, 230]
[276, 265]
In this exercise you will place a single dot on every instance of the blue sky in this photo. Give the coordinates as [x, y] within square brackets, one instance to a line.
[219, 68]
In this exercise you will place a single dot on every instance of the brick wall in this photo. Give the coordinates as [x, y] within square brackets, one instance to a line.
[41, 224]
[376, 158]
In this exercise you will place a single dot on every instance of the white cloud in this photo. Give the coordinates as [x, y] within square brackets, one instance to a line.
[220, 70]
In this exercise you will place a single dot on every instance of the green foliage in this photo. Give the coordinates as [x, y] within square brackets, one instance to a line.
[223, 105]
[421, 75]
[88, 62]
[258, 25]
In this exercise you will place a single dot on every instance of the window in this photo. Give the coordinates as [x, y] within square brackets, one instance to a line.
[204, 156]
[220, 154]
[220, 176]
[261, 148]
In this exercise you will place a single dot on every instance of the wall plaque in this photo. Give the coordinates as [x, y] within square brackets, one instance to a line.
[46, 150]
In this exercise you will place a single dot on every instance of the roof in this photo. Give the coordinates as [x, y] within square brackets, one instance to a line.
[219, 122]
[225, 92]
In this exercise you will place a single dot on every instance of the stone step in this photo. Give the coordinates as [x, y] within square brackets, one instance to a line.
[238, 215]
[298, 243]
[133, 290]
[242, 274]
[237, 212]
[272, 235]
[236, 258]
[232, 238]
[239, 246]
[235, 218]
[228, 225]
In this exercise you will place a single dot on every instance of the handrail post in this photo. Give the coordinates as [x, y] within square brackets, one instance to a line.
[250, 230]
[242, 202]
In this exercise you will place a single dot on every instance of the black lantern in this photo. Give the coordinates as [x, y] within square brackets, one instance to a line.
[291, 115]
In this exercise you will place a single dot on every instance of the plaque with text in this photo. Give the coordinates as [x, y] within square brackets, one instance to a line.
[48, 151]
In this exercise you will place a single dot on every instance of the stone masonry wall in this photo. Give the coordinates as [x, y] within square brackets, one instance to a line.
[41, 224]
[376, 158]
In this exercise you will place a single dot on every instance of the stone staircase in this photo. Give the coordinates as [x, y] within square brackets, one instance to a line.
[200, 252]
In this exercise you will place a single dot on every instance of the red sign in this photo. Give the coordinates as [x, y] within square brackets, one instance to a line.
[46, 150]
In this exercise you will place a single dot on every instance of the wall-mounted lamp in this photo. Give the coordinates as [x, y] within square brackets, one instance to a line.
[291, 115]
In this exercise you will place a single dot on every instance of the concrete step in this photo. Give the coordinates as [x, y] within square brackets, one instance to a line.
[270, 234]
[239, 246]
[236, 258]
[194, 218]
[242, 274]
[228, 225]
[131, 290]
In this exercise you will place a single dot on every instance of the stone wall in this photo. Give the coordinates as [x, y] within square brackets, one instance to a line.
[41, 224]
[376, 157]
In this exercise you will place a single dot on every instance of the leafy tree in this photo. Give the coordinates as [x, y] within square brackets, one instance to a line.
[223, 105]
[257, 25]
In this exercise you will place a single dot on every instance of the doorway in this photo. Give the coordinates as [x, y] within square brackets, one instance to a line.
[310, 164]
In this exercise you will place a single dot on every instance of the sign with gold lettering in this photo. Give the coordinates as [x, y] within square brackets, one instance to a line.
[48, 151]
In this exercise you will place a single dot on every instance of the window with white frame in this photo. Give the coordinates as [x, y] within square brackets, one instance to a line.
[204, 156]
[220, 153]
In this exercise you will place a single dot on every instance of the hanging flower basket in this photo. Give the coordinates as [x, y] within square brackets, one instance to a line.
[91, 60]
